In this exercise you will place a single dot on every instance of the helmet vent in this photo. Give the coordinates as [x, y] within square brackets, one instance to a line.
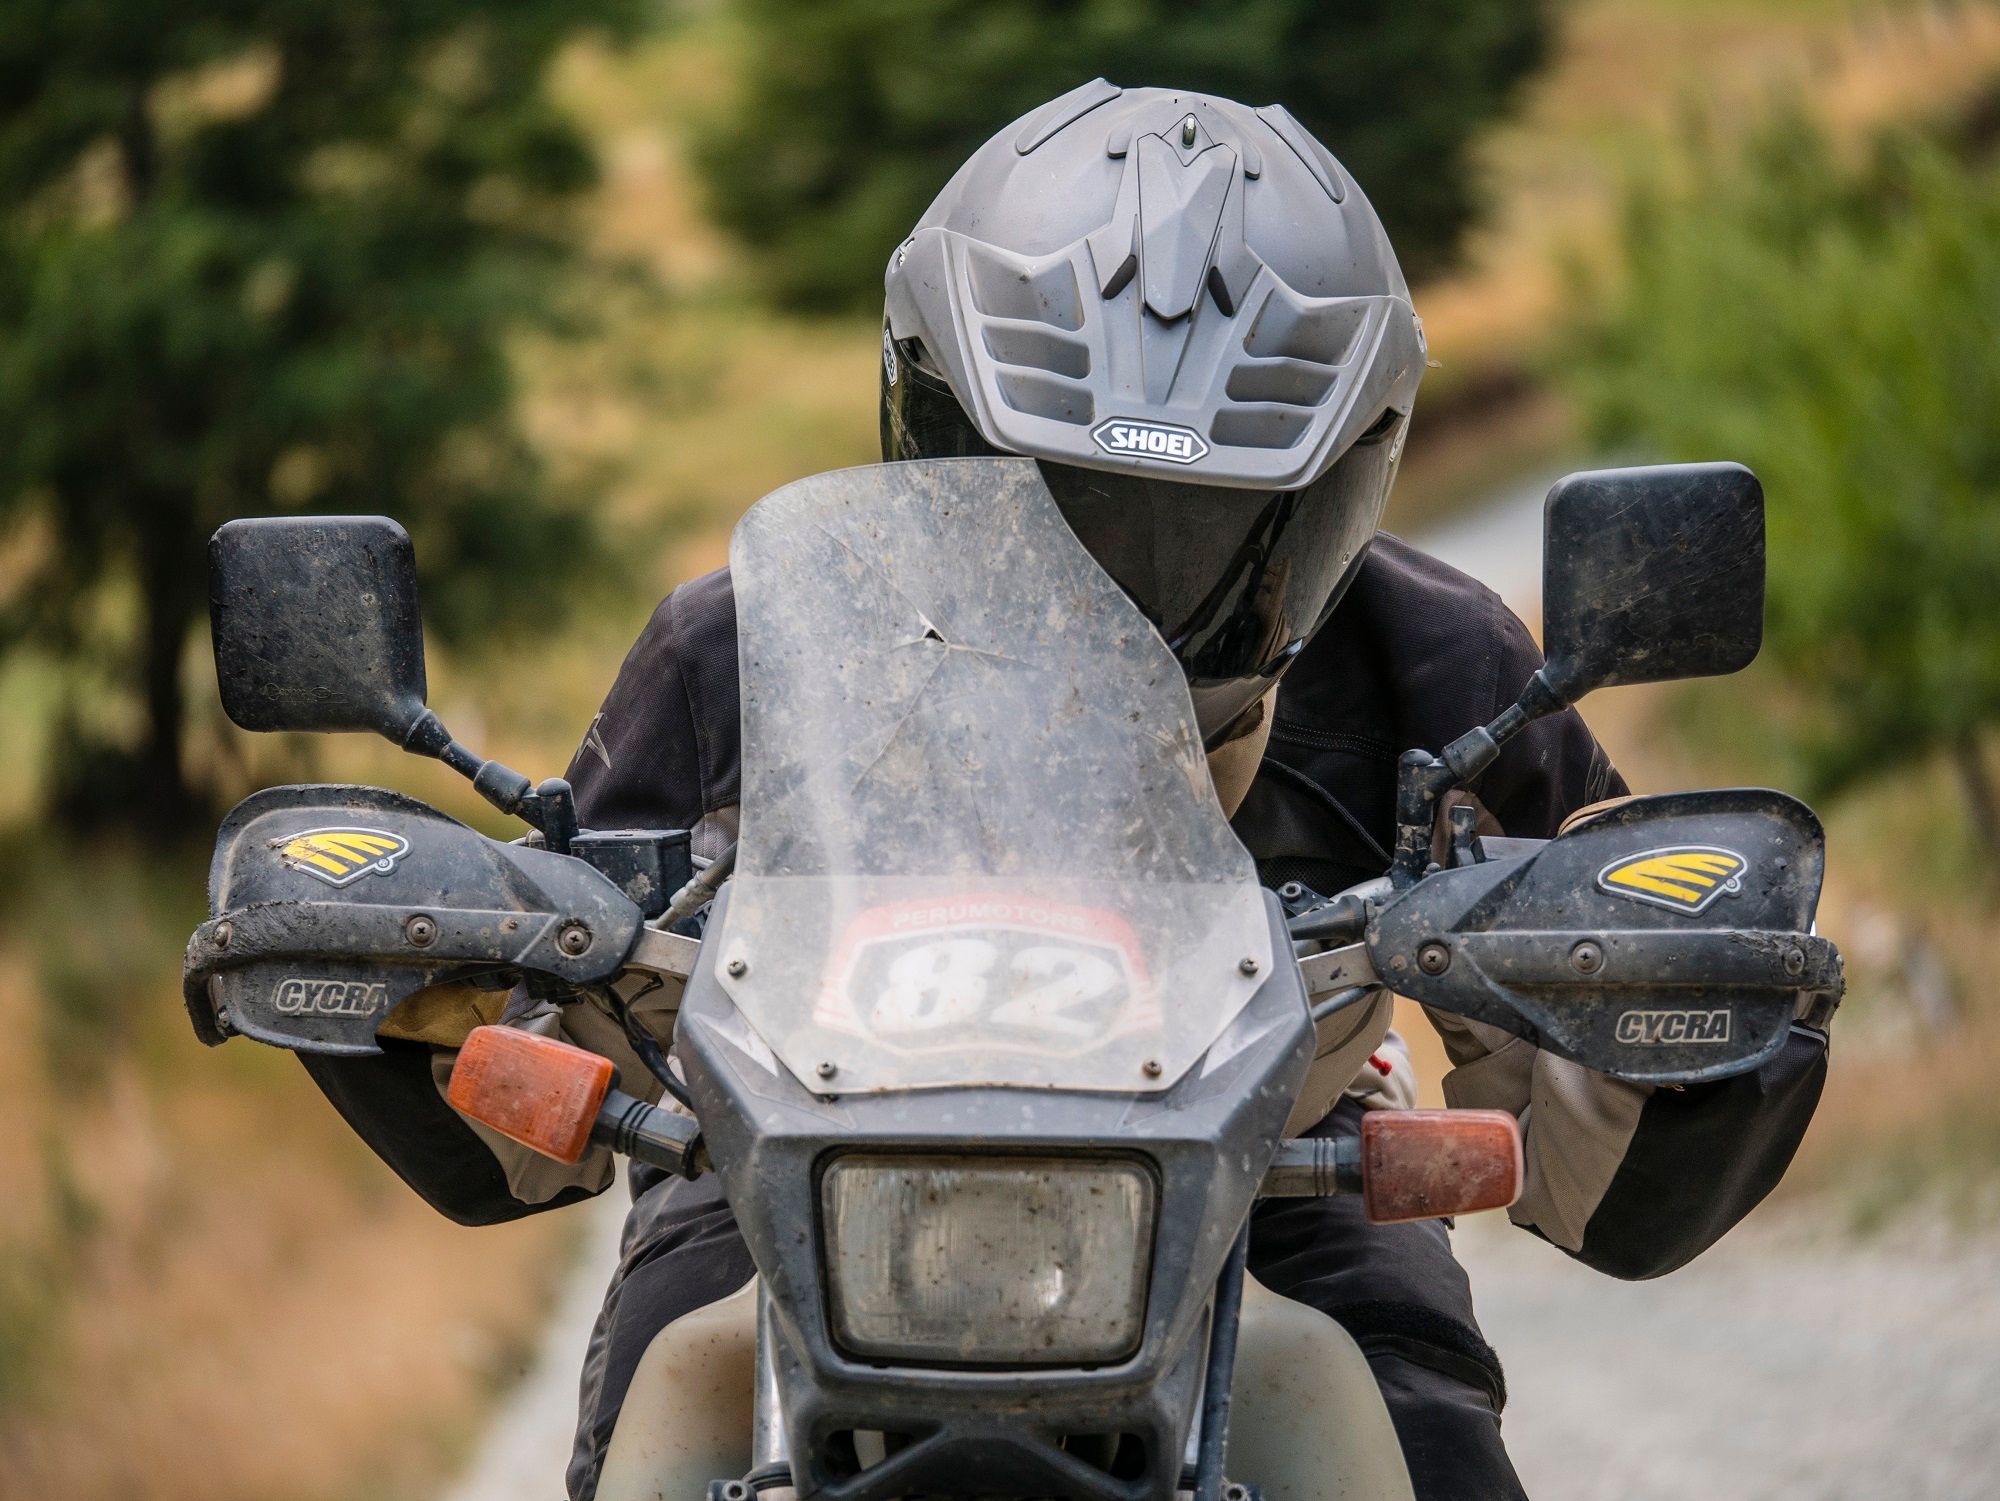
[1287, 382]
[1296, 348]
[1260, 425]
[1045, 396]
[1037, 349]
[1047, 294]
[1321, 333]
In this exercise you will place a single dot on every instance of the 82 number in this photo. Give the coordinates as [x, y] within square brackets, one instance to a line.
[1055, 990]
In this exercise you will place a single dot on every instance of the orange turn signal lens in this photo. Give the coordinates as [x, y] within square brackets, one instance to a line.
[537, 1091]
[1424, 1164]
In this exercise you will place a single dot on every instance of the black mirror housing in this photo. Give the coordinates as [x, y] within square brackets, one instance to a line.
[1651, 574]
[317, 624]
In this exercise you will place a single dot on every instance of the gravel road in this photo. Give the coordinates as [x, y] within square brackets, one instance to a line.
[1785, 1365]
[527, 1442]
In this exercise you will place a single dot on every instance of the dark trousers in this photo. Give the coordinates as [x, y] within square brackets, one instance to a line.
[1396, 1288]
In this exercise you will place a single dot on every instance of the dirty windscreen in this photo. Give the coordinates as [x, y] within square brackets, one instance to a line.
[978, 840]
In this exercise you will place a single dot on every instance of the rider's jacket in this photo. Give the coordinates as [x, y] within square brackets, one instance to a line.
[1631, 1179]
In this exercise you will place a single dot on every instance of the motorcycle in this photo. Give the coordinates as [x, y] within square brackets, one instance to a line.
[985, 1023]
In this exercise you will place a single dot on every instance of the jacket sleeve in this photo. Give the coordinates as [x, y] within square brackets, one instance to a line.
[638, 766]
[1630, 1179]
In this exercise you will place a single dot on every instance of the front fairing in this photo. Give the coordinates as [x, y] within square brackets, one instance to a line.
[1209, 1138]
[985, 903]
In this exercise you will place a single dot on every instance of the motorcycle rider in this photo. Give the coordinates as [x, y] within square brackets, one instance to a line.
[1187, 311]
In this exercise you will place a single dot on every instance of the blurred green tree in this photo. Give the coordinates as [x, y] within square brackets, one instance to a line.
[853, 116]
[1836, 326]
[262, 255]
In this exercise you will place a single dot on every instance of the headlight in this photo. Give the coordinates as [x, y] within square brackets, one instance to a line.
[988, 1260]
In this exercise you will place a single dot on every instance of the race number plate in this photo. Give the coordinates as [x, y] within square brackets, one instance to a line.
[994, 972]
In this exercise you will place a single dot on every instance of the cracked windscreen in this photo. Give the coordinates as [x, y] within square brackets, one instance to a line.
[978, 844]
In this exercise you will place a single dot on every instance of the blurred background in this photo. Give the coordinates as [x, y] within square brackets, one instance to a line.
[565, 285]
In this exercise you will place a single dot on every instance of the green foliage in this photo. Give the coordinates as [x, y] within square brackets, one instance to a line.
[1835, 328]
[266, 255]
[853, 116]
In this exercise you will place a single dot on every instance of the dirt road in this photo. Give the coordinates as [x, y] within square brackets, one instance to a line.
[1780, 1367]
[528, 1439]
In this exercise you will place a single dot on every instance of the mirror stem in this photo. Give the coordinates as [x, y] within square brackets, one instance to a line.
[553, 811]
[1421, 778]
[502, 786]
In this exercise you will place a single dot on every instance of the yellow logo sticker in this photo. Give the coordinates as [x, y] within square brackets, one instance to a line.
[1686, 878]
[341, 856]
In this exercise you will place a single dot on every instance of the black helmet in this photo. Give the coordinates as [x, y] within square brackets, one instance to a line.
[1186, 310]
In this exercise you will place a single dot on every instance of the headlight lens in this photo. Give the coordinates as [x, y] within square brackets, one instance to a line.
[988, 1260]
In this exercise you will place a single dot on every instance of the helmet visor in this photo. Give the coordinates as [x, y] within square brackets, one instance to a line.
[1236, 580]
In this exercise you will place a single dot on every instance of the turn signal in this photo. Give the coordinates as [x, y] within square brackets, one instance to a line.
[1423, 1164]
[535, 1090]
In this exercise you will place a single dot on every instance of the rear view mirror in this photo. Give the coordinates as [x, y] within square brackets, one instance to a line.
[317, 624]
[1648, 575]
[1651, 574]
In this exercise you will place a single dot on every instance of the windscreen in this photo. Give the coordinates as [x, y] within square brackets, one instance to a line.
[979, 844]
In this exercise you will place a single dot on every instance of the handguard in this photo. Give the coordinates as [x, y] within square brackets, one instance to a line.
[1666, 940]
[331, 904]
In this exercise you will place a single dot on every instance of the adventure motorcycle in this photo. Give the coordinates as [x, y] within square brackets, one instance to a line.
[992, 1035]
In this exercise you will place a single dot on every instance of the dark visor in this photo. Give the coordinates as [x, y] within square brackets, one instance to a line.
[1235, 580]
